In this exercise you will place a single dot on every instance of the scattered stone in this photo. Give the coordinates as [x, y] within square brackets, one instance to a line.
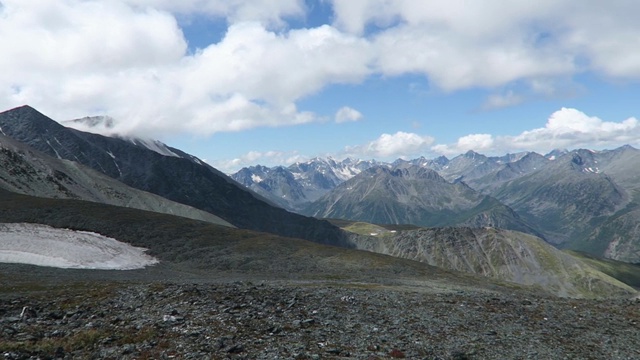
[242, 321]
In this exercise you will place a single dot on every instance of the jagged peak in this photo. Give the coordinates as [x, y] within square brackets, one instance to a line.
[556, 153]
[21, 108]
[441, 159]
[626, 148]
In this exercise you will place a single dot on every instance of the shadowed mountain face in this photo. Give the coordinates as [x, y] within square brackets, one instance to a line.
[276, 184]
[27, 171]
[412, 195]
[583, 200]
[167, 172]
[524, 165]
[295, 186]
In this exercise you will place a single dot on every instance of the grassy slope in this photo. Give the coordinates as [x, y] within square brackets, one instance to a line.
[500, 254]
[625, 272]
[189, 248]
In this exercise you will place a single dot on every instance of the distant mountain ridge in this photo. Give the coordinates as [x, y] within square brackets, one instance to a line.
[295, 186]
[412, 195]
[582, 199]
[308, 181]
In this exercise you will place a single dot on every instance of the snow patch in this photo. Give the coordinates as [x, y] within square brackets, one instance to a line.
[154, 145]
[255, 178]
[54, 150]
[43, 245]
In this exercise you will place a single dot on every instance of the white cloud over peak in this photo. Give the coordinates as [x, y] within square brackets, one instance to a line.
[565, 128]
[400, 144]
[346, 114]
[266, 158]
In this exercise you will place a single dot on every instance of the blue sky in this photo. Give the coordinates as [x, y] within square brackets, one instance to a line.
[241, 82]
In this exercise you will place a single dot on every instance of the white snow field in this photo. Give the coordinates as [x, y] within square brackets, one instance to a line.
[62, 248]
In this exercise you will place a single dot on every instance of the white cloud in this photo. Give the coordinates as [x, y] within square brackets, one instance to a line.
[571, 128]
[459, 44]
[476, 142]
[75, 58]
[400, 144]
[267, 12]
[128, 58]
[565, 128]
[497, 101]
[346, 114]
[266, 158]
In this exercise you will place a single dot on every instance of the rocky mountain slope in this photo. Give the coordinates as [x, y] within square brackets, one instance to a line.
[567, 192]
[312, 321]
[583, 200]
[293, 187]
[176, 175]
[297, 185]
[412, 195]
[27, 171]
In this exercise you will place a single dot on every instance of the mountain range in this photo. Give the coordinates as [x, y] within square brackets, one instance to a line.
[211, 224]
[581, 199]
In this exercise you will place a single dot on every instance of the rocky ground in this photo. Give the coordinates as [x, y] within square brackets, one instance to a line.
[270, 320]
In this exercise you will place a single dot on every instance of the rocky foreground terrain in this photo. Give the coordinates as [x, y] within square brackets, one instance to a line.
[311, 320]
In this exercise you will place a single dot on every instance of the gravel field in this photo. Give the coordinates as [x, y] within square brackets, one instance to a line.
[286, 320]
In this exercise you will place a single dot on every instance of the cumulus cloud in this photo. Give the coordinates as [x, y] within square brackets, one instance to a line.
[571, 128]
[346, 114]
[267, 12]
[565, 128]
[400, 144]
[129, 58]
[475, 142]
[459, 44]
[76, 58]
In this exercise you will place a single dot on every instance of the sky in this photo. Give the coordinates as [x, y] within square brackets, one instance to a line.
[245, 82]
